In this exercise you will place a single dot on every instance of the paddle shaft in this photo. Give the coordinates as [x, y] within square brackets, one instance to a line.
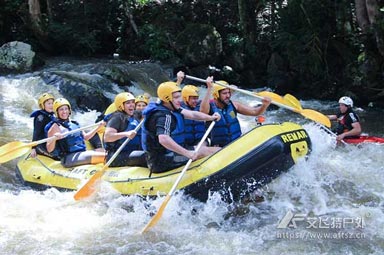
[88, 188]
[64, 134]
[190, 161]
[122, 145]
[244, 92]
[34, 143]
[308, 113]
[157, 216]
[331, 133]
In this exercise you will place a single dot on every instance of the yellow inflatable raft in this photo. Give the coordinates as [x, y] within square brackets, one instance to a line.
[254, 159]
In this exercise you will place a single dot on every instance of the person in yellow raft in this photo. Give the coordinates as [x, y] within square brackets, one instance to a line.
[120, 126]
[141, 101]
[194, 130]
[163, 133]
[227, 128]
[71, 148]
[41, 118]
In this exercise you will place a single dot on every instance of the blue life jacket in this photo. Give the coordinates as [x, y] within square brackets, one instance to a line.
[177, 134]
[132, 145]
[38, 131]
[194, 130]
[49, 115]
[71, 143]
[227, 128]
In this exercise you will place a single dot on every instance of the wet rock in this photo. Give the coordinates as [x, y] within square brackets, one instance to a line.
[17, 57]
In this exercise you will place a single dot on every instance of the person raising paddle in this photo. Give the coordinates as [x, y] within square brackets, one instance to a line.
[228, 128]
[194, 130]
[41, 118]
[164, 134]
[72, 148]
[348, 122]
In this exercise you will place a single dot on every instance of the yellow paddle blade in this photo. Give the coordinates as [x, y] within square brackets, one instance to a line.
[289, 99]
[316, 116]
[111, 108]
[158, 215]
[10, 147]
[13, 150]
[90, 187]
[275, 97]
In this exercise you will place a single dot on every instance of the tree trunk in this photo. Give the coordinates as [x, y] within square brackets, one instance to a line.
[247, 15]
[361, 15]
[49, 10]
[35, 15]
[367, 13]
[130, 17]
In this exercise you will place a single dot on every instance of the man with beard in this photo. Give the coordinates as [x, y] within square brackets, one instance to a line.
[227, 128]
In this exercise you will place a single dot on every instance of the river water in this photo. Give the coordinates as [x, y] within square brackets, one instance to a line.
[331, 203]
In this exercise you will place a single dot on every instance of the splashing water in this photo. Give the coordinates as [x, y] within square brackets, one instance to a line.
[343, 184]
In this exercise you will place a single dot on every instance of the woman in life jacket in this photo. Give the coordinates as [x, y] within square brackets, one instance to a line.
[141, 101]
[41, 118]
[71, 148]
[348, 122]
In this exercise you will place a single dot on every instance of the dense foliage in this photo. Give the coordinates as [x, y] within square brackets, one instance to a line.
[321, 47]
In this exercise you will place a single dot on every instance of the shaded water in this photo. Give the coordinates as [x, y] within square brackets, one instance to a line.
[342, 185]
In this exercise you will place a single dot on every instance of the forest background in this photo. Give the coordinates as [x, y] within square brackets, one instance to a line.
[319, 49]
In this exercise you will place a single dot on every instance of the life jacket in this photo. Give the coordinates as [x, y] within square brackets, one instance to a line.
[345, 121]
[194, 130]
[44, 118]
[227, 128]
[71, 143]
[48, 115]
[177, 134]
[134, 144]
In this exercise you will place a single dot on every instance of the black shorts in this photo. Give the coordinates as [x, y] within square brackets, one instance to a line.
[165, 163]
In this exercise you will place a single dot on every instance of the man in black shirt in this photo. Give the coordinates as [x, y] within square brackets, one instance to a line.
[163, 131]
[348, 121]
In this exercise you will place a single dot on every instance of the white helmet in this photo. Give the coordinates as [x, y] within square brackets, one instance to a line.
[346, 100]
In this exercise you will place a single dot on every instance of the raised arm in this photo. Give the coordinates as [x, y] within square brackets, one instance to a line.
[204, 105]
[253, 111]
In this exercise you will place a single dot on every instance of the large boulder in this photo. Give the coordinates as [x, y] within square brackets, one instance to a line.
[16, 57]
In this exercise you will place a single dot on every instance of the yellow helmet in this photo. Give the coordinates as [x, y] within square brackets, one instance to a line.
[189, 91]
[121, 98]
[44, 97]
[217, 88]
[60, 102]
[142, 98]
[165, 90]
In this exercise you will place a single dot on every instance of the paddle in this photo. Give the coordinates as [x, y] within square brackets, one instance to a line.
[308, 113]
[17, 149]
[293, 101]
[159, 213]
[90, 186]
[332, 134]
[111, 108]
[275, 97]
